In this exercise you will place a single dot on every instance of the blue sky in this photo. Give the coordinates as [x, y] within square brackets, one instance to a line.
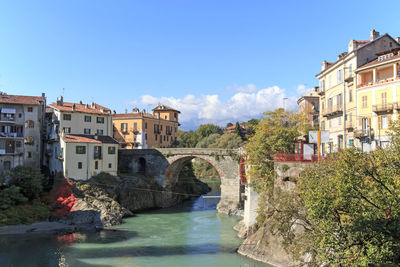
[217, 61]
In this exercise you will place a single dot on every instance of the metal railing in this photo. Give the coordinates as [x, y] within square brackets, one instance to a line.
[12, 135]
[333, 110]
[283, 157]
[382, 107]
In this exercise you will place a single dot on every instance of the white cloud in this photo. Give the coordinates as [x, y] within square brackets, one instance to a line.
[302, 89]
[243, 105]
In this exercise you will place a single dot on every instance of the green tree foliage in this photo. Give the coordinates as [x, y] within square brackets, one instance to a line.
[30, 180]
[187, 139]
[205, 130]
[276, 132]
[207, 141]
[11, 196]
[228, 141]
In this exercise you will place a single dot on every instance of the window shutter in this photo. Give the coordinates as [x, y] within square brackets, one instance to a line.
[369, 122]
[380, 122]
[360, 122]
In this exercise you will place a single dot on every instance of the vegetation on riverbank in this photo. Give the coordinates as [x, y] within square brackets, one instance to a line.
[20, 192]
[344, 210]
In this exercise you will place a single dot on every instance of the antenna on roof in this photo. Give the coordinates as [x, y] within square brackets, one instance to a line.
[63, 91]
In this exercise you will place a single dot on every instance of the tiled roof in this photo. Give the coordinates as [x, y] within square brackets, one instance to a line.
[82, 138]
[84, 108]
[20, 99]
[165, 108]
[133, 116]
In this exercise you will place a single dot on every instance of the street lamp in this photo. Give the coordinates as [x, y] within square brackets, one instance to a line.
[284, 99]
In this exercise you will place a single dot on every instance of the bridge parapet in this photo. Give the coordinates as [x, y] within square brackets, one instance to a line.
[199, 151]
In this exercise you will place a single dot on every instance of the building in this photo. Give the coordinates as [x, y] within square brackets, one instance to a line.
[378, 99]
[80, 142]
[141, 130]
[21, 130]
[338, 102]
[231, 128]
[309, 106]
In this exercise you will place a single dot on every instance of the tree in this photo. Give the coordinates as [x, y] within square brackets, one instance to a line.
[30, 180]
[187, 139]
[205, 130]
[228, 141]
[207, 141]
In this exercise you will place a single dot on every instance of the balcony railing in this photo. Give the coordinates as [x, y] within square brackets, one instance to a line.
[11, 135]
[281, 157]
[387, 107]
[350, 124]
[370, 83]
[7, 119]
[333, 110]
[361, 133]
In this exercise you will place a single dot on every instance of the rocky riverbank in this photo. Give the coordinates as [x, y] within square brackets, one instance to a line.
[104, 201]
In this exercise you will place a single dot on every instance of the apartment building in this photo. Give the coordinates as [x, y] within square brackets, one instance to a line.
[80, 142]
[309, 106]
[378, 95]
[21, 130]
[141, 130]
[338, 102]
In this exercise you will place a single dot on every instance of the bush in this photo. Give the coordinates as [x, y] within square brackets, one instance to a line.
[11, 196]
[27, 213]
[30, 180]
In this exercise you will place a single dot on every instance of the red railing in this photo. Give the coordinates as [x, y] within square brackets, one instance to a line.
[281, 157]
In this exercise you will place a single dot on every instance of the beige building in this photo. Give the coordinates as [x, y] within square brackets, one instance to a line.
[80, 141]
[21, 130]
[338, 103]
[309, 106]
[378, 94]
[141, 130]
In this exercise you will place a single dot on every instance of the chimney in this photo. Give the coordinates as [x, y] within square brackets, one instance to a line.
[93, 105]
[114, 111]
[144, 111]
[135, 110]
[126, 110]
[80, 102]
[324, 65]
[397, 40]
[374, 34]
[43, 95]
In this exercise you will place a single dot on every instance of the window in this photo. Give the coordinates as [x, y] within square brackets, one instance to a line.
[111, 150]
[160, 138]
[351, 143]
[161, 127]
[145, 136]
[30, 109]
[329, 82]
[165, 117]
[19, 115]
[175, 129]
[124, 127]
[79, 165]
[88, 118]
[18, 144]
[99, 131]
[164, 138]
[97, 152]
[29, 124]
[155, 137]
[96, 165]
[385, 122]
[67, 129]
[339, 76]
[350, 70]
[67, 117]
[323, 126]
[340, 121]
[7, 165]
[100, 119]
[339, 101]
[145, 125]
[350, 95]
[80, 150]
[384, 99]
[29, 154]
[322, 85]
[330, 102]
[364, 101]
[86, 131]
[135, 126]
[167, 138]
[109, 165]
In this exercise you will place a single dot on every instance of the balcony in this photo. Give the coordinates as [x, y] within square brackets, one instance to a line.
[383, 108]
[361, 133]
[11, 135]
[168, 132]
[332, 111]
[350, 125]
[321, 92]
[282, 157]
[6, 119]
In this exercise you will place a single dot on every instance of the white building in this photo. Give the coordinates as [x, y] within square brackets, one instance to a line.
[80, 141]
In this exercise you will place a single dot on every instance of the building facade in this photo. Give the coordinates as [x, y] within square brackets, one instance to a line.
[80, 142]
[339, 99]
[141, 130]
[21, 130]
[309, 106]
[378, 95]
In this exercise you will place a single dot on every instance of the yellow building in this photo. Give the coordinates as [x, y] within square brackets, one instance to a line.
[378, 99]
[80, 142]
[338, 103]
[141, 130]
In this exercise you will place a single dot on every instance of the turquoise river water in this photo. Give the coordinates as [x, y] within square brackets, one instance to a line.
[191, 234]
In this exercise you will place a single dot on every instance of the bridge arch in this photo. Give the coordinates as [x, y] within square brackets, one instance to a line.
[165, 164]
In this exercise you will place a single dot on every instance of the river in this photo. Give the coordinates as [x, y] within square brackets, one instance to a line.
[190, 234]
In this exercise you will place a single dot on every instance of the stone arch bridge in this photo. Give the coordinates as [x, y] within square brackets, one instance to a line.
[165, 164]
